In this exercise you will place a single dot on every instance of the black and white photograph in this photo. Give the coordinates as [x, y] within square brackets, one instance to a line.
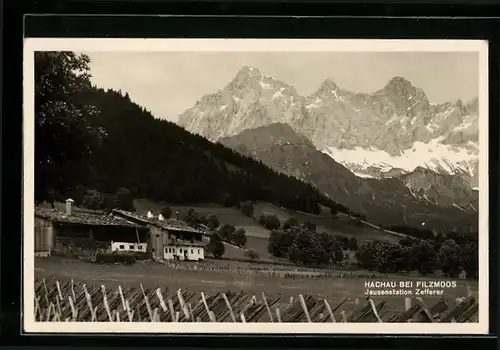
[255, 186]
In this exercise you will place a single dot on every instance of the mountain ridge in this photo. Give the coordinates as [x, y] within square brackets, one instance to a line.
[388, 126]
[382, 201]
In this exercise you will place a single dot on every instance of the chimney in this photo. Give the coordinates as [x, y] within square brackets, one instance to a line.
[69, 206]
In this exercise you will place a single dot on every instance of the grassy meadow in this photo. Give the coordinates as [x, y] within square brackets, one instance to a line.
[257, 236]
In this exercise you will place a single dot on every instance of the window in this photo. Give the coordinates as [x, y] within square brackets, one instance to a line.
[131, 246]
[122, 246]
[198, 251]
[192, 251]
[139, 246]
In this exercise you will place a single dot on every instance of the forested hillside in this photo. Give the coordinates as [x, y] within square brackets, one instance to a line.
[159, 160]
[89, 138]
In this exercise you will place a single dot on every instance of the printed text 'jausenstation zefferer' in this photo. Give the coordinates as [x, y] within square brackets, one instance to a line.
[408, 288]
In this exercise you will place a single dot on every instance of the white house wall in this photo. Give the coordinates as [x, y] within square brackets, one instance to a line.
[193, 253]
[129, 247]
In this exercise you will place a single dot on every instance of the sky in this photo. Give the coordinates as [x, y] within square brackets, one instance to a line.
[168, 83]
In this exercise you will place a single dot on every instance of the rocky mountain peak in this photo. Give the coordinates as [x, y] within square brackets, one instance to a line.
[246, 77]
[330, 91]
[421, 169]
[406, 98]
[399, 81]
[400, 87]
[394, 127]
[328, 85]
[248, 72]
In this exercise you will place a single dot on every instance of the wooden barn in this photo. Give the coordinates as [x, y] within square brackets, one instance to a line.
[81, 232]
[170, 239]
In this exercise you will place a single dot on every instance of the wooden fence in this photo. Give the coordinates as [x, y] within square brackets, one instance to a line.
[75, 302]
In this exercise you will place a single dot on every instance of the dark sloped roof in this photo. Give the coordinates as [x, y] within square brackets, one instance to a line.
[167, 224]
[83, 218]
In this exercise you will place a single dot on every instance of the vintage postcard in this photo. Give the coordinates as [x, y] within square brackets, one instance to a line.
[256, 186]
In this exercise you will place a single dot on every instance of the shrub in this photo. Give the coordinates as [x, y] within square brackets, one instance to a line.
[216, 247]
[252, 254]
[274, 243]
[426, 255]
[213, 222]
[291, 222]
[192, 217]
[407, 241]
[240, 238]
[124, 199]
[470, 254]
[247, 208]
[352, 243]
[262, 220]
[310, 226]
[365, 256]
[109, 202]
[449, 258]
[226, 232]
[93, 199]
[303, 246]
[166, 211]
[307, 249]
[342, 241]
[271, 222]
[384, 257]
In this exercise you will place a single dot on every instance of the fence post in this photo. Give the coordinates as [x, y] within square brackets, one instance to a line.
[231, 313]
[374, 309]
[304, 307]
[146, 299]
[73, 290]
[122, 297]
[182, 304]
[329, 309]
[162, 301]
[267, 307]
[407, 304]
[105, 299]
[278, 315]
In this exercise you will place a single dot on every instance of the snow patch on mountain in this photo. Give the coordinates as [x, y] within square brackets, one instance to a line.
[265, 85]
[434, 155]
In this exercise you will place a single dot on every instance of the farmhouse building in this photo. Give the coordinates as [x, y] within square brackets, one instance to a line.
[170, 239]
[83, 232]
